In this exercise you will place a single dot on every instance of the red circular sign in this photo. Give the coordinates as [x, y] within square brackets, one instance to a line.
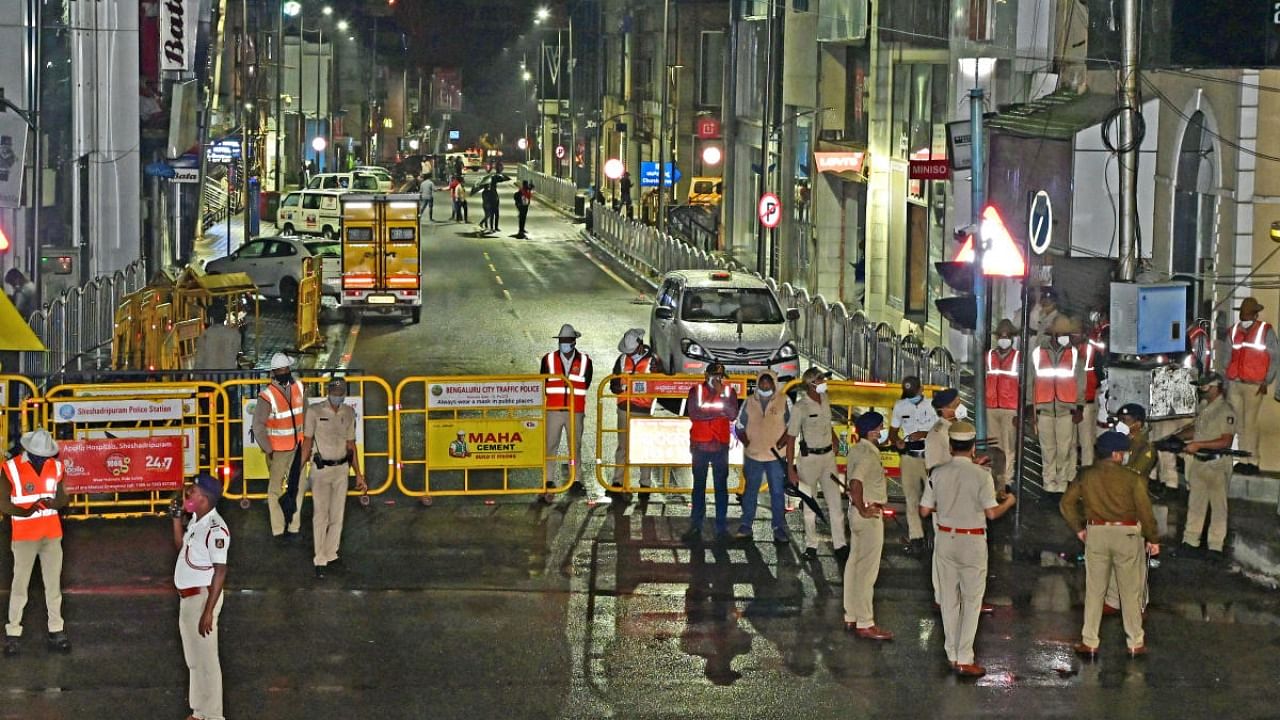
[559, 152]
[769, 210]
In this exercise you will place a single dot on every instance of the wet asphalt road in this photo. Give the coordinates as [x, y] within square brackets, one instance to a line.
[518, 610]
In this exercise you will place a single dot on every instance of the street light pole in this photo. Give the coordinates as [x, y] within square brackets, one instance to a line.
[662, 125]
[279, 154]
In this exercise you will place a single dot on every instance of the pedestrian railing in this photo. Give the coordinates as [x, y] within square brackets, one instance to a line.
[78, 322]
[560, 191]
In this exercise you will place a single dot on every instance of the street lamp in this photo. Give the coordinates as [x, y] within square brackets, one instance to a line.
[292, 8]
[542, 14]
[343, 25]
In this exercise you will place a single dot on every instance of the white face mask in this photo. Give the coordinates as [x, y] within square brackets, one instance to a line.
[820, 388]
[962, 412]
[764, 393]
[566, 348]
[1124, 459]
[1004, 343]
[1064, 340]
[1122, 428]
[1246, 324]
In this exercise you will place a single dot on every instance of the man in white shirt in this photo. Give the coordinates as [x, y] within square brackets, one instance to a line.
[909, 424]
[199, 576]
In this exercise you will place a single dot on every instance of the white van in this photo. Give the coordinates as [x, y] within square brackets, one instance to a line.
[311, 212]
[357, 180]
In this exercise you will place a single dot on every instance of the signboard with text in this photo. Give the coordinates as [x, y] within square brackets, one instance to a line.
[109, 465]
[478, 443]
[929, 170]
[665, 441]
[136, 410]
[491, 393]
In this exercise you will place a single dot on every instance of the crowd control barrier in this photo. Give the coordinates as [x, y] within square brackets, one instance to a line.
[18, 408]
[308, 310]
[478, 435]
[246, 463]
[127, 447]
[656, 440]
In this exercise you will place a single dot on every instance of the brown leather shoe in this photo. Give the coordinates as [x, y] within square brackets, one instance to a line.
[1138, 651]
[1110, 609]
[970, 671]
[873, 633]
[1087, 651]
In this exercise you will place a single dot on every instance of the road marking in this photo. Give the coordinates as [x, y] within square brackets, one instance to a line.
[492, 268]
[498, 278]
[507, 295]
[486, 257]
[605, 269]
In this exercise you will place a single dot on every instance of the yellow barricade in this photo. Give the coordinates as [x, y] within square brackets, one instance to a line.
[476, 435]
[246, 464]
[308, 315]
[126, 447]
[659, 440]
[18, 409]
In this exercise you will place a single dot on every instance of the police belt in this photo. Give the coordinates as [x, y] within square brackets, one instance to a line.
[190, 592]
[817, 451]
[1119, 523]
[322, 463]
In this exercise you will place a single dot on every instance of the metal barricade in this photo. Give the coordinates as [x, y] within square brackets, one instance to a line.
[559, 191]
[371, 398]
[18, 408]
[126, 447]
[658, 440]
[884, 353]
[308, 312]
[477, 435]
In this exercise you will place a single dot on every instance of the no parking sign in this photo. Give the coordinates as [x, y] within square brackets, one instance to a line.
[769, 210]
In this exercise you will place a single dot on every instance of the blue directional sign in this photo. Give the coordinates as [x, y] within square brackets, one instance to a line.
[159, 169]
[649, 174]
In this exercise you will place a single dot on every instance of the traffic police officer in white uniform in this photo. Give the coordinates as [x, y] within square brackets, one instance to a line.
[199, 576]
[909, 423]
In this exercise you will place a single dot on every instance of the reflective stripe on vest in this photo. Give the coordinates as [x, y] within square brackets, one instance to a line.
[1002, 380]
[1090, 373]
[26, 487]
[1056, 382]
[1249, 358]
[285, 421]
[557, 392]
[635, 368]
[715, 430]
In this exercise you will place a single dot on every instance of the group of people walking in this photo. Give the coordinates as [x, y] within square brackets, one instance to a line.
[488, 189]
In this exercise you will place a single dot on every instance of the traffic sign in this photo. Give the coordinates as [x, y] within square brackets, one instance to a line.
[559, 152]
[1001, 258]
[769, 210]
[649, 174]
[1040, 223]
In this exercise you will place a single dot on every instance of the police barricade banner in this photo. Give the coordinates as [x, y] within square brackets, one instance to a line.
[665, 441]
[484, 393]
[111, 465]
[457, 444]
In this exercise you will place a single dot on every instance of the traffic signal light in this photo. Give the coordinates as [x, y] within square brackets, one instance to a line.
[4, 241]
[961, 310]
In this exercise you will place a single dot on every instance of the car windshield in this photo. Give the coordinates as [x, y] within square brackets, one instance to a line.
[324, 247]
[366, 182]
[753, 306]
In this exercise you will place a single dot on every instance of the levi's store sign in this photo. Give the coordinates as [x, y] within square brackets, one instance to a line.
[837, 162]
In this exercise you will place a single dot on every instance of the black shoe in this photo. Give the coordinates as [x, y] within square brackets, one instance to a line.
[1217, 557]
[842, 555]
[781, 539]
[810, 554]
[691, 536]
[1188, 552]
[58, 642]
[335, 564]
[577, 489]
[319, 572]
[12, 647]
[916, 547]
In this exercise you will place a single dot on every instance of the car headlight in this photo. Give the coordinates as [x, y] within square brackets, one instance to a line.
[694, 350]
[786, 352]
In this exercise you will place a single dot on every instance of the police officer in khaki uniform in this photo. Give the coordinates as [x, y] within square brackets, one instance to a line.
[1131, 420]
[962, 497]
[1109, 510]
[810, 428]
[329, 448]
[937, 448]
[868, 494]
[1213, 429]
[1058, 394]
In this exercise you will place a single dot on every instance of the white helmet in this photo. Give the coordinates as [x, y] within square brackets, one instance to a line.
[279, 361]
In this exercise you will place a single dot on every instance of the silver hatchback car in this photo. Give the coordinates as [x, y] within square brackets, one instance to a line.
[701, 316]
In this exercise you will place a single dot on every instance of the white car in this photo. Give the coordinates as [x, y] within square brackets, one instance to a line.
[384, 177]
[275, 264]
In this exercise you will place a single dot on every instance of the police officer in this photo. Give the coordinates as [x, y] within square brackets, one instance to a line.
[329, 446]
[277, 427]
[910, 422]
[1109, 510]
[1253, 359]
[1214, 429]
[868, 495]
[1059, 391]
[35, 493]
[1131, 420]
[712, 407]
[634, 358]
[567, 361]
[961, 495]
[199, 575]
[1003, 376]
[937, 444]
[810, 427]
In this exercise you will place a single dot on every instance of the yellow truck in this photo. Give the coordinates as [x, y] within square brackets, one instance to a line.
[381, 261]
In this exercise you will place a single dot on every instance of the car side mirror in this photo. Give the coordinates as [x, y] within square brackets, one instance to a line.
[793, 313]
[662, 312]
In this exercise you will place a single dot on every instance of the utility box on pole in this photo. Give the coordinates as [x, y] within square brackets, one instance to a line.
[1148, 319]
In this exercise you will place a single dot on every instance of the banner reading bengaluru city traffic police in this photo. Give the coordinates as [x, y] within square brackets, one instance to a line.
[493, 393]
[109, 465]
[476, 444]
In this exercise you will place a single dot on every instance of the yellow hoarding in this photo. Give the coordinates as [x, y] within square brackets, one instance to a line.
[464, 444]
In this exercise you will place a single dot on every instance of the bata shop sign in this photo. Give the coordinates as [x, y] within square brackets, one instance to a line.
[177, 35]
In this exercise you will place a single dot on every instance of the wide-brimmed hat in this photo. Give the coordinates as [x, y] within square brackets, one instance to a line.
[630, 341]
[1250, 305]
[39, 442]
[962, 431]
[1006, 327]
[567, 331]
[1062, 325]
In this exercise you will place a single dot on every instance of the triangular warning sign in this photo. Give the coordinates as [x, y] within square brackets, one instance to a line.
[1002, 257]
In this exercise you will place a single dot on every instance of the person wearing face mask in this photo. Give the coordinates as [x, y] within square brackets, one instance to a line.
[634, 358]
[1002, 397]
[1214, 429]
[277, 428]
[937, 448]
[762, 427]
[35, 493]
[909, 424]
[712, 406]
[1110, 511]
[1253, 358]
[1058, 396]
[203, 540]
[810, 427]
[1087, 429]
[568, 363]
[868, 494]
[329, 445]
[1131, 421]
[961, 498]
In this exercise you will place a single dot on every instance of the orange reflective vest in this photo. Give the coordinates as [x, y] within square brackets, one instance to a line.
[26, 487]
[1090, 372]
[285, 422]
[1002, 380]
[1056, 380]
[635, 368]
[1249, 359]
[557, 392]
[716, 429]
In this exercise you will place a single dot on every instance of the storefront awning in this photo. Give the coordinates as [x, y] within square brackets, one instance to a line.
[1056, 116]
[850, 163]
[15, 334]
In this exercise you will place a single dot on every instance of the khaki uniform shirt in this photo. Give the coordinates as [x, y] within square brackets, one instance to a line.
[1107, 492]
[864, 466]
[937, 444]
[1142, 456]
[811, 422]
[1213, 420]
[960, 493]
[330, 429]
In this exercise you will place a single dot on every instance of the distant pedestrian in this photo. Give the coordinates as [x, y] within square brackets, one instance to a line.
[457, 165]
[23, 294]
[427, 196]
[712, 406]
[329, 446]
[523, 199]
[624, 185]
[458, 191]
[199, 576]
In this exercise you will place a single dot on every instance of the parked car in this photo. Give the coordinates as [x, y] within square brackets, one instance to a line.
[275, 264]
[701, 316]
[355, 180]
[310, 212]
[382, 174]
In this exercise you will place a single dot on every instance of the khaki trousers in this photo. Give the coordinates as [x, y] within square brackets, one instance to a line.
[1057, 450]
[862, 568]
[1166, 463]
[25, 552]
[620, 454]
[328, 505]
[1000, 423]
[278, 466]
[913, 475]
[1087, 433]
[1207, 482]
[1117, 549]
[815, 471]
[1246, 401]
[557, 426]
[201, 653]
[960, 571]
[1113, 587]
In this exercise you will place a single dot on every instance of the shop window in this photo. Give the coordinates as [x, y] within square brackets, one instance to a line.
[711, 62]
[842, 21]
